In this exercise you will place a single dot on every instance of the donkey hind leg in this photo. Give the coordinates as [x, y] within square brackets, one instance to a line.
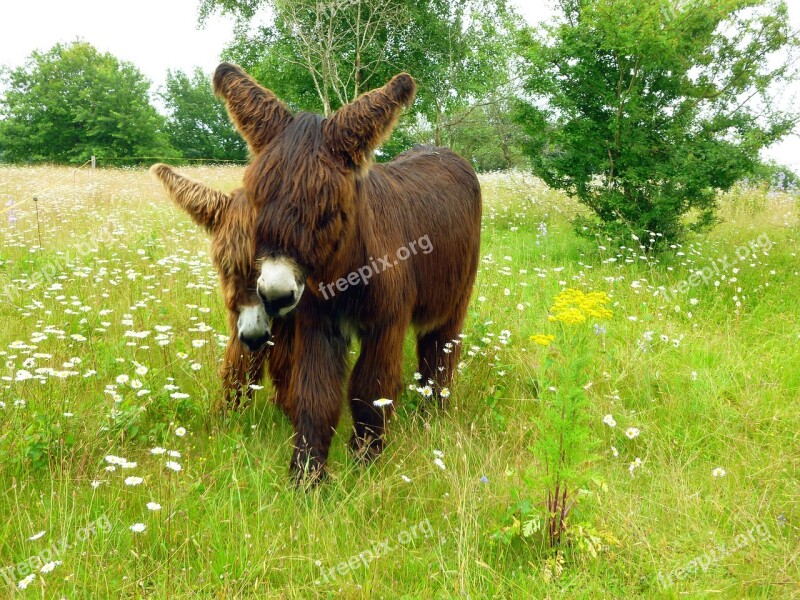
[377, 374]
[279, 362]
[438, 352]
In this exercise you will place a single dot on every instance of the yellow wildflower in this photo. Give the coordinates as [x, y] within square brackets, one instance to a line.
[542, 340]
[574, 306]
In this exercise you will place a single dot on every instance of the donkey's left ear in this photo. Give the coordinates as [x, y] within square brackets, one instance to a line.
[355, 130]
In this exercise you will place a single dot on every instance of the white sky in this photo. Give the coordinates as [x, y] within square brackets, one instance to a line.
[157, 35]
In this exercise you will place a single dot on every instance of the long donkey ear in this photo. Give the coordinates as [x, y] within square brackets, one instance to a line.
[257, 113]
[201, 202]
[355, 130]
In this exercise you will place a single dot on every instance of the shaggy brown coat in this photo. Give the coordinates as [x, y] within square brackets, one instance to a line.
[324, 205]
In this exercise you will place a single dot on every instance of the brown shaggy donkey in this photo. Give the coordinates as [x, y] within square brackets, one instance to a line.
[327, 214]
[229, 218]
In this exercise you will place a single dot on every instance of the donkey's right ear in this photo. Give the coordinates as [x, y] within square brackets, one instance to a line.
[257, 113]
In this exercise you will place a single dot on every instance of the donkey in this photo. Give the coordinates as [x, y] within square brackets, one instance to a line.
[324, 211]
[230, 219]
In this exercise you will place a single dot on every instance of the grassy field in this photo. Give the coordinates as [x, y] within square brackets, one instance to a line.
[114, 327]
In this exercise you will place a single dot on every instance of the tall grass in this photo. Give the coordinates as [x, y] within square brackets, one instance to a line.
[708, 377]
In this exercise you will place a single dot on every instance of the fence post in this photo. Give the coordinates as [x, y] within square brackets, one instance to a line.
[38, 226]
[94, 162]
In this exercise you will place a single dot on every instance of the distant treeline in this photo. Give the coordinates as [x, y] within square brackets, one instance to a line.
[644, 111]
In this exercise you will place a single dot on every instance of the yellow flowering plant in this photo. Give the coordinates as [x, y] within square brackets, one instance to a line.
[564, 448]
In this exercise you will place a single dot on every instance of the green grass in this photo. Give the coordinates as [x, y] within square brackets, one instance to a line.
[232, 525]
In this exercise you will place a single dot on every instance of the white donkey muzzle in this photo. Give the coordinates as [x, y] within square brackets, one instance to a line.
[254, 326]
[280, 286]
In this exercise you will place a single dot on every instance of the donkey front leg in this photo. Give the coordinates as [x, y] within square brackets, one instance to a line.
[315, 395]
[240, 367]
[279, 362]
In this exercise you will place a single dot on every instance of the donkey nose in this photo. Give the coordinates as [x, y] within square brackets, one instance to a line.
[254, 340]
[276, 300]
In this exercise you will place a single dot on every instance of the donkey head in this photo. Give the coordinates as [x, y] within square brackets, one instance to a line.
[303, 177]
[222, 216]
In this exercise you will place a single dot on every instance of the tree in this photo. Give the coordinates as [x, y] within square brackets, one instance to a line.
[72, 102]
[320, 54]
[197, 125]
[647, 110]
[332, 48]
[488, 135]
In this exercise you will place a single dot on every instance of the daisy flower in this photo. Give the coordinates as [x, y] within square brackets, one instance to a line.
[632, 433]
[609, 420]
[381, 402]
[46, 568]
[718, 472]
[137, 527]
[133, 480]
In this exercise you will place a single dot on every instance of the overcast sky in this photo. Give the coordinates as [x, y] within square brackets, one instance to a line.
[157, 35]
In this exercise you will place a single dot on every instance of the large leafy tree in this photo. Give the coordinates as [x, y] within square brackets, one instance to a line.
[197, 125]
[72, 102]
[320, 54]
[647, 110]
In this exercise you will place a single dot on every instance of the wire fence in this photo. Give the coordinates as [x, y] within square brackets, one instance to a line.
[169, 159]
[90, 166]
[113, 161]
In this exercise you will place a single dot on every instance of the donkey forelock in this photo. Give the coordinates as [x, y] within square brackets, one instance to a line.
[303, 194]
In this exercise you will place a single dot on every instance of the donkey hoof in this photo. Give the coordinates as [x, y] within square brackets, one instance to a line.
[306, 471]
[367, 448]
